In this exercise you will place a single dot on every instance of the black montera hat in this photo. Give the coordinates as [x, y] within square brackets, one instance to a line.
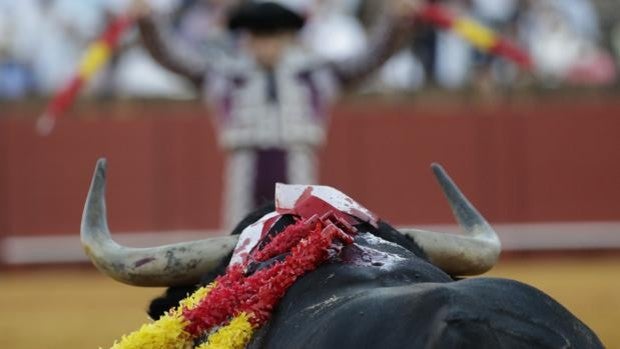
[265, 17]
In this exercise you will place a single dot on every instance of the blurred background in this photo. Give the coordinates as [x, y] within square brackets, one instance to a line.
[537, 152]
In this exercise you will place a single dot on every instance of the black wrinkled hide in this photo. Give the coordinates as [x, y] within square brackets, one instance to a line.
[367, 310]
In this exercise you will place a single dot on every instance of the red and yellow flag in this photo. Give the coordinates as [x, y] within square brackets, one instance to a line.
[95, 58]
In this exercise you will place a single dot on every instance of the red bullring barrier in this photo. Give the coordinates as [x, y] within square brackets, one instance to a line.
[535, 161]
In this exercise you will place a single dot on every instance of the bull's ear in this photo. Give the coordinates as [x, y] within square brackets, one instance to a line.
[169, 265]
[474, 252]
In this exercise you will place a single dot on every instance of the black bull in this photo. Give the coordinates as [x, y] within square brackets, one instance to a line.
[382, 292]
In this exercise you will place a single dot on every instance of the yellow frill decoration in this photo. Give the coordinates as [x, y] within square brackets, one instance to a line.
[169, 331]
[192, 301]
[235, 335]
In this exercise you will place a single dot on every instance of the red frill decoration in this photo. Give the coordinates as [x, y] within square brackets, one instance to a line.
[258, 294]
[284, 241]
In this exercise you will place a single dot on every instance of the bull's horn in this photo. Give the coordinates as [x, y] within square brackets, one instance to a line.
[170, 265]
[473, 253]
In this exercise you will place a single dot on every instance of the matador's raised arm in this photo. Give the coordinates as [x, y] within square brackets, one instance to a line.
[170, 53]
[387, 36]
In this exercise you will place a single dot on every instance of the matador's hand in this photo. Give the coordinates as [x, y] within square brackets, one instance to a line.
[139, 9]
[405, 8]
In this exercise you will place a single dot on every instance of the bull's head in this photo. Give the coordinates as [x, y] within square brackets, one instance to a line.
[472, 253]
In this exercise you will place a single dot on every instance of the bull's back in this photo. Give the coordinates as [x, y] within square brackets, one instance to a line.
[472, 313]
